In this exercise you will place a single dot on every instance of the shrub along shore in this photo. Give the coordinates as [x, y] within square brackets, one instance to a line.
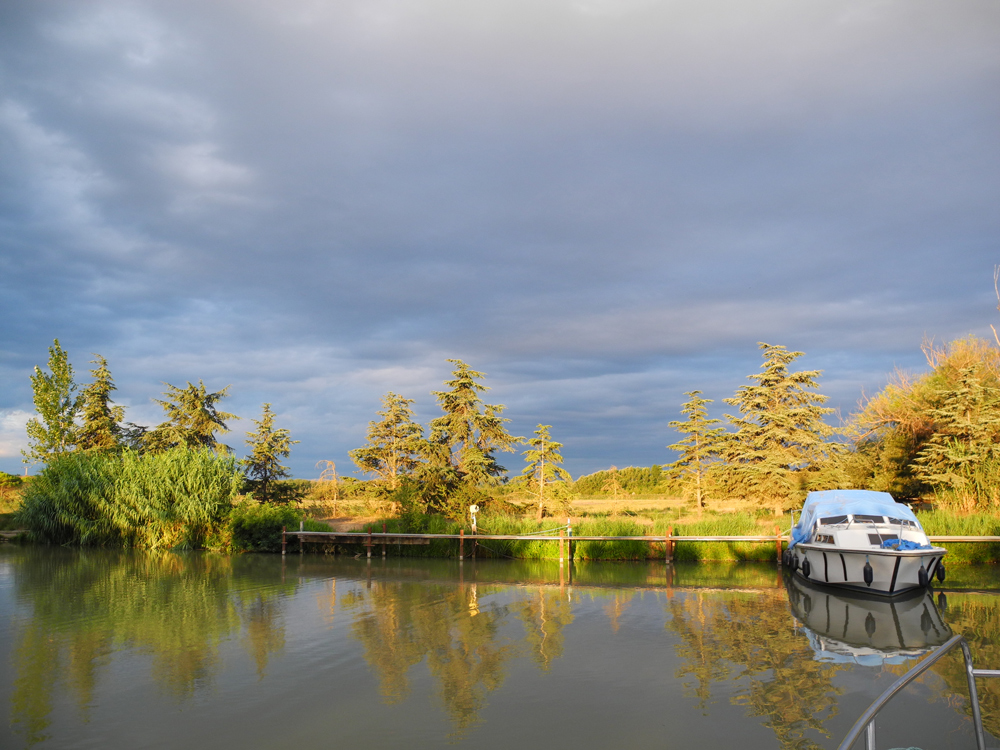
[187, 498]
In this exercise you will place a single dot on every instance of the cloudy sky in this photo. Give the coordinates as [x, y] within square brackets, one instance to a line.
[600, 203]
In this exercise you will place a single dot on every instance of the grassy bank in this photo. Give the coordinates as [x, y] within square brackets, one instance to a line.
[950, 523]
[589, 550]
[188, 498]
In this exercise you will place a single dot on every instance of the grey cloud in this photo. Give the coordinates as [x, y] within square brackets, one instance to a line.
[600, 204]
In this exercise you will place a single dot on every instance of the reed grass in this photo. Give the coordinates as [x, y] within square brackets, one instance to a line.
[176, 499]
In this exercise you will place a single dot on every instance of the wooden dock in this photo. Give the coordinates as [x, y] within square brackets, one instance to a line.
[381, 539]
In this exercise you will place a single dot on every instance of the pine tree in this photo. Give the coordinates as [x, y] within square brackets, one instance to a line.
[101, 428]
[469, 432]
[700, 448]
[54, 431]
[394, 442]
[543, 463]
[192, 419]
[780, 431]
[268, 446]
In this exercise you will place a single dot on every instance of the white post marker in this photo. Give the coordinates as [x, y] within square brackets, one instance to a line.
[473, 509]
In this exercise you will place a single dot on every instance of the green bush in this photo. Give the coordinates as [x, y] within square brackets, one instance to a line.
[177, 498]
[253, 527]
[10, 480]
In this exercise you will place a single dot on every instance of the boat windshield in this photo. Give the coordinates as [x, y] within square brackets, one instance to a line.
[871, 519]
[832, 520]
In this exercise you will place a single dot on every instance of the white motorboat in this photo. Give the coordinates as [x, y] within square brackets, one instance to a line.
[862, 540]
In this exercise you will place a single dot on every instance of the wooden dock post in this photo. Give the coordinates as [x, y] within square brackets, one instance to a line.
[670, 544]
[461, 544]
[383, 539]
[284, 540]
[369, 544]
[302, 527]
[569, 541]
[562, 545]
[777, 543]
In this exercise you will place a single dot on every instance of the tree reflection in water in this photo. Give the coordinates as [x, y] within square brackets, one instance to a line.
[176, 608]
[729, 635]
[401, 624]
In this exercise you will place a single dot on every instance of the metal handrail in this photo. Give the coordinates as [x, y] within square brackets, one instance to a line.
[866, 723]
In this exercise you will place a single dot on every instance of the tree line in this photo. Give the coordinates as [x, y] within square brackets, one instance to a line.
[931, 435]
[70, 419]
[934, 434]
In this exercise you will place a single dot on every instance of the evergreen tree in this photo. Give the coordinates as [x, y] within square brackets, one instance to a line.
[101, 428]
[543, 463]
[54, 431]
[780, 433]
[700, 448]
[469, 432]
[192, 419]
[268, 446]
[394, 442]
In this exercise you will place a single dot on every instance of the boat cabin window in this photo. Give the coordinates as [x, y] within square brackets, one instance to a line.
[905, 523]
[832, 520]
[824, 538]
[873, 519]
[876, 539]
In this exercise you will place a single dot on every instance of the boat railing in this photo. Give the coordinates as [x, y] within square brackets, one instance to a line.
[866, 724]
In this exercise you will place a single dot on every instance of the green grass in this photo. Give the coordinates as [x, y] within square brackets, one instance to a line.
[547, 548]
[725, 525]
[945, 523]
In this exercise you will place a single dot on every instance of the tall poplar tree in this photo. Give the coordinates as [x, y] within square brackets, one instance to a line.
[780, 431]
[469, 432]
[394, 442]
[193, 418]
[54, 431]
[101, 422]
[543, 463]
[700, 448]
[268, 446]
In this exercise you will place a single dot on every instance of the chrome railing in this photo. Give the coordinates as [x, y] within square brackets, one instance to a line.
[866, 723]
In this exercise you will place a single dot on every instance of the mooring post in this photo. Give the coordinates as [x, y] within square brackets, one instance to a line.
[383, 539]
[562, 545]
[302, 527]
[461, 544]
[283, 539]
[670, 544]
[777, 543]
[369, 544]
[569, 541]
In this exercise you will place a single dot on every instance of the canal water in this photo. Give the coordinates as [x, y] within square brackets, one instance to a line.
[102, 649]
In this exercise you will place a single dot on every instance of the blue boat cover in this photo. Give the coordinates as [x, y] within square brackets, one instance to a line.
[845, 502]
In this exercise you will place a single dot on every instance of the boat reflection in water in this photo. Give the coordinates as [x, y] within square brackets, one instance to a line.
[848, 627]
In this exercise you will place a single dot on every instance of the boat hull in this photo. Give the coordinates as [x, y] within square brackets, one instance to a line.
[893, 572]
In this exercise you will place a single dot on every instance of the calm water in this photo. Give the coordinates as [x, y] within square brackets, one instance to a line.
[103, 649]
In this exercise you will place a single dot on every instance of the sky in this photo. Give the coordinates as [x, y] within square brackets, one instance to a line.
[601, 204]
